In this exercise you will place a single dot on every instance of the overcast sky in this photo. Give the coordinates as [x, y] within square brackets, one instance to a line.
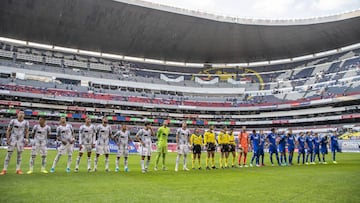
[267, 8]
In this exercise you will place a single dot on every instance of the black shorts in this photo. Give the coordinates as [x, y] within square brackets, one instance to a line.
[196, 149]
[232, 148]
[224, 148]
[210, 147]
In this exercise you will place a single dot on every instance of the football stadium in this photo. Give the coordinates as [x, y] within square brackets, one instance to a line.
[136, 101]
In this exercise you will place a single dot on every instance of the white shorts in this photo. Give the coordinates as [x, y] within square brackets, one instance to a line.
[183, 149]
[102, 149]
[85, 148]
[16, 145]
[39, 148]
[123, 151]
[145, 150]
[68, 148]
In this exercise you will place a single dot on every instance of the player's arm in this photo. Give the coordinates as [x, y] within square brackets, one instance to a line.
[191, 139]
[72, 135]
[129, 140]
[80, 136]
[94, 137]
[137, 137]
[177, 138]
[32, 134]
[158, 132]
[48, 132]
[8, 131]
[239, 138]
[110, 133]
[26, 132]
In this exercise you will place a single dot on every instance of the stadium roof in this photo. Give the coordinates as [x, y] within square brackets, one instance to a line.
[146, 30]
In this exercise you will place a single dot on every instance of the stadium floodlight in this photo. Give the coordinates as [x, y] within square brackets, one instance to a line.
[131, 58]
[154, 61]
[14, 41]
[114, 56]
[38, 45]
[65, 49]
[92, 53]
[174, 63]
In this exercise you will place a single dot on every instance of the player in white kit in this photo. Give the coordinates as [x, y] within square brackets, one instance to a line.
[40, 134]
[65, 134]
[122, 139]
[182, 141]
[87, 137]
[16, 131]
[104, 133]
[144, 137]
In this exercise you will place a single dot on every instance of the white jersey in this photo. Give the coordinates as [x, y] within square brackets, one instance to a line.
[183, 136]
[87, 134]
[65, 133]
[103, 134]
[18, 129]
[145, 136]
[121, 137]
[41, 133]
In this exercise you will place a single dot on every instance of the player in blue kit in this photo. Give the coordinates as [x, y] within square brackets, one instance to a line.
[272, 146]
[324, 148]
[255, 142]
[301, 147]
[316, 141]
[282, 146]
[309, 148]
[261, 147]
[291, 146]
[334, 144]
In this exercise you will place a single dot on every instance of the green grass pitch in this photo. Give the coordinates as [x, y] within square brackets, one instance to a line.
[314, 183]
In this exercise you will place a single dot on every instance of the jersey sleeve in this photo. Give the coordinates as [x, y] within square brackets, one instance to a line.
[11, 124]
[34, 131]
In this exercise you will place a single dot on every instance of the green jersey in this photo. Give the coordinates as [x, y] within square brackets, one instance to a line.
[162, 135]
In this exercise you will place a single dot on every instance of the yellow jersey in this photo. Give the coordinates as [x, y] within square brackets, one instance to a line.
[196, 139]
[223, 138]
[209, 137]
[232, 139]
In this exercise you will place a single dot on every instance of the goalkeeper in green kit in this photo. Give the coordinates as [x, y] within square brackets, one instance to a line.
[162, 148]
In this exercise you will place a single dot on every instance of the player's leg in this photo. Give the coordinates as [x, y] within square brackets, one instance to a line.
[164, 152]
[333, 150]
[20, 149]
[239, 159]
[271, 157]
[126, 168]
[222, 155]
[226, 157]
[252, 159]
[207, 159]
[56, 160]
[107, 162]
[213, 159]
[177, 161]
[193, 159]
[185, 162]
[69, 150]
[6, 162]
[157, 158]
[285, 158]
[117, 163]
[89, 160]
[32, 159]
[96, 161]
[199, 159]
[148, 161]
[142, 163]
[78, 161]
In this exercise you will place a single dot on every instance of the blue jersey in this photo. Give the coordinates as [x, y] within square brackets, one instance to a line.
[282, 142]
[334, 141]
[262, 142]
[316, 141]
[291, 142]
[301, 141]
[272, 139]
[309, 142]
[255, 140]
[323, 145]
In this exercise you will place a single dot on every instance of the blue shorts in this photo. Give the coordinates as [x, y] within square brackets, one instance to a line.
[272, 149]
[256, 151]
[335, 149]
[282, 149]
[324, 150]
[316, 150]
[261, 151]
[301, 151]
[291, 149]
[309, 151]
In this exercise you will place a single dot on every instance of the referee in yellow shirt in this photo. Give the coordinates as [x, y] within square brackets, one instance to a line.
[223, 140]
[209, 141]
[232, 147]
[196, 141]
